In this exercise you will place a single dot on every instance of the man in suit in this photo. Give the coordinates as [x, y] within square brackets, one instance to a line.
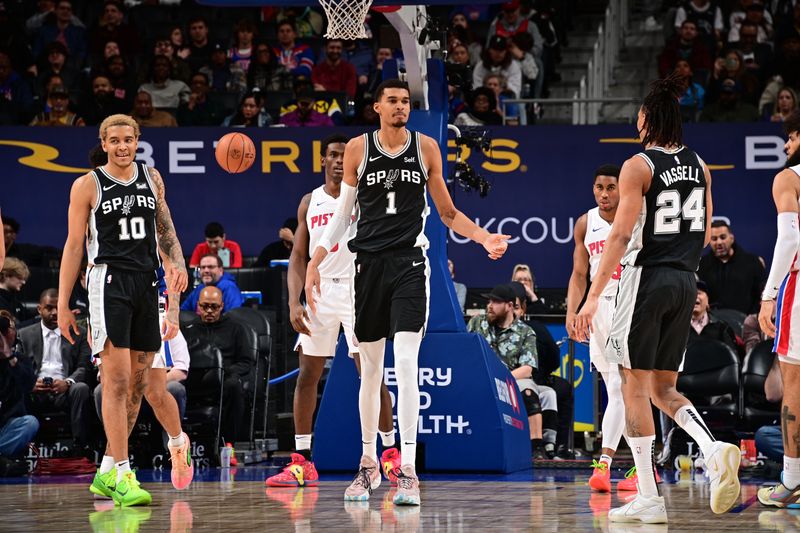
[60, 367]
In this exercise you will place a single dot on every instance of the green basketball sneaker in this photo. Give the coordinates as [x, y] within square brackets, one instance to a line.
[127, 492]
[103, 484]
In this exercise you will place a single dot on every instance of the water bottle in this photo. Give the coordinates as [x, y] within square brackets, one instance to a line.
[196, 277]
[350, 110]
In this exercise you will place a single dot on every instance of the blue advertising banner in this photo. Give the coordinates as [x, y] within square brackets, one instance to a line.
[541, 183]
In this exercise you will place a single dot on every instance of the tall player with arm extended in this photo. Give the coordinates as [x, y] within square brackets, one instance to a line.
[318, 333]
[661, 227]
[121, 209]
[782, 283]
[387, 173]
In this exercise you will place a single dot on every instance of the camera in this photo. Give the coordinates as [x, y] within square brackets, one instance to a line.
[48, 382]
[462, 172]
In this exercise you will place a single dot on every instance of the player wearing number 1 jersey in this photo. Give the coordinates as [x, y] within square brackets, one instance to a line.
[388, 174]
[120, 208]
[664, 221]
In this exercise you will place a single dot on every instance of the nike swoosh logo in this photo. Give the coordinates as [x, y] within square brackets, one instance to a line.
[155, 283]
[321, 203]
[417, 264]
[109, 187]
[376, 157]
[596, 229]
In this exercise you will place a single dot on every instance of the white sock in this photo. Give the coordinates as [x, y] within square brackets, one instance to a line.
[691, 422]
[642, 449]
[606, 459]
[406, 355]
[791, 472]
[387, 438]
[302, 442]
[107, 464]
[613, 425]
[123, 467]
[176, 442]
[369, 394]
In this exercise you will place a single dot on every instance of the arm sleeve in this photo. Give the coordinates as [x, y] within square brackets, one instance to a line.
[785, 253]
[341, 218]
[180, 352]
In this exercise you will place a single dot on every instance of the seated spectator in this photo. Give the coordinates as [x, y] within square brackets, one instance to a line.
[59, 113]
[461, 289]
[178, 41]
[769, 439]
[212, 273]
[16, 381]
[734, 277]
[58, 26]
[481, 109]
[692, 99]
[458, 54]
[308, 22]
[706, 326]
[789, 26]
[242, 52]
[199, 46]
[266, 74]
[199, 110]
[179, 68]
[123, 82]
[686, 45]
[15, 42]
[13, 277]
[30, 254]
[729, 107]
[752, 11]
[523, 274]
[280, 249]
[224, 76]
[216, 329]
[217, 243]
[101, 103]
[757, 56]
[45, 8]
[111, 26]
[496, 59]
[296, 58]
[55, 62]
[498, 85]
[786, 70]
[785, 105]
[461, 31]
[508, 22]
[514, 342]
[61, 368]
[165, 92]
[304, 115]
[751, 332]
[359, 54]
[520, 47]
[16, 97]
[251, 112]
[376, 76]
[147, 116]
[708, 16]
[732, 66]
[334, 73]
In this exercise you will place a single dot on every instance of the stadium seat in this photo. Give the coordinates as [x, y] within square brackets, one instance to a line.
[711, 368]
[752, 401]
[733, 317]
[202, 403]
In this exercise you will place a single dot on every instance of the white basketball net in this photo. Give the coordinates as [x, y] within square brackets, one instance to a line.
[346, 18]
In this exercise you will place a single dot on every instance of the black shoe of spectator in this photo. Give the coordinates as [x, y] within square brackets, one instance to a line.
[550, 450]
[564, 454]
[539, 454]
[12, 467]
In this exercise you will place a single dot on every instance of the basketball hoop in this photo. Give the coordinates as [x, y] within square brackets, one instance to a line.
[346, 18]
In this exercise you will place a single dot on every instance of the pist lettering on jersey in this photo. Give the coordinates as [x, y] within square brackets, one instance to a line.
[321, 220]
[126, 203]
[596, 248]
[680, 173]
[388, 178]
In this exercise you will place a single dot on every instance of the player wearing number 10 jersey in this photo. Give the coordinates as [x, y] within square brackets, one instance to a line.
[664, 221]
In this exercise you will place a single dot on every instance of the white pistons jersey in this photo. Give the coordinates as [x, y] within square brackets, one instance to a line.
[796, 264]
[338, 264]
[597, 231]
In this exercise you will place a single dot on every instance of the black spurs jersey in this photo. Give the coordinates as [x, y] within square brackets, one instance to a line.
[391, 198]
[122, 227]
[671, 227]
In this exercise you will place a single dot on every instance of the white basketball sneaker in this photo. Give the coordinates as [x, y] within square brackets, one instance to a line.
[644, 509]
[723, 470]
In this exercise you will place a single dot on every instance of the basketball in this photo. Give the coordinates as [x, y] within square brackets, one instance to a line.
[235, 152]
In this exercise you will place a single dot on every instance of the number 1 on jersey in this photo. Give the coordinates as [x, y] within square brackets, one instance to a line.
[391, 209]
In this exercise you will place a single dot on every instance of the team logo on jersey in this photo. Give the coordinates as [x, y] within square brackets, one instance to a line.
[616, 346]
[141, 185]
[391, 177]
[129, 201]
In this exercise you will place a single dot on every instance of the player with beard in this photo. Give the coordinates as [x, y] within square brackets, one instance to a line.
[319, 333]
[782, 283]
[388, 173]
[121, 211]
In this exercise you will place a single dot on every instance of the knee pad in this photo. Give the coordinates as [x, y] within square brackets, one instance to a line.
[532, 404]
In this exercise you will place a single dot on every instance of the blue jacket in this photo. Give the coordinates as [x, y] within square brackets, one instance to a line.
[231, 295]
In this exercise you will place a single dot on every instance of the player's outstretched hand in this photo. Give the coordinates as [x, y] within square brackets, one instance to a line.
[765, 318]
[177, 279]
[67, 324]
[496, 244]
[312, 287]
[299, 319]
[583, 322]
[169, 330]
[570, 324]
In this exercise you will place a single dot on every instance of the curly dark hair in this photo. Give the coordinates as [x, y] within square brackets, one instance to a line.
[662, 112]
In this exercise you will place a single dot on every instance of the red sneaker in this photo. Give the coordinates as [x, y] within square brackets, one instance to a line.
[298, 473]
[601, 477]
[390, 461]
[631, 478]
[234, 461]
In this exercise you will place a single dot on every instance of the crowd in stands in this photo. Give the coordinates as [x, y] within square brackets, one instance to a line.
[74, 62]
[740, 58]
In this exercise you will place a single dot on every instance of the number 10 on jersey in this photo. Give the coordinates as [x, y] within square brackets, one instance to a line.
[131, 229]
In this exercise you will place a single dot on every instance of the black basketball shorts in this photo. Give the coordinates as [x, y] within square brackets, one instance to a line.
[391, 293]
[123, 307]
[652, 318]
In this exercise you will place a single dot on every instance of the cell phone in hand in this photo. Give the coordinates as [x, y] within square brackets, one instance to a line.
[48, 382]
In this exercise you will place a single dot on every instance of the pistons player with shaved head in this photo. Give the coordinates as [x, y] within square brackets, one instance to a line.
[387, 175]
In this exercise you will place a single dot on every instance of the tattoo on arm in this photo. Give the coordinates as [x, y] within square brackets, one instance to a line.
[167, 237]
